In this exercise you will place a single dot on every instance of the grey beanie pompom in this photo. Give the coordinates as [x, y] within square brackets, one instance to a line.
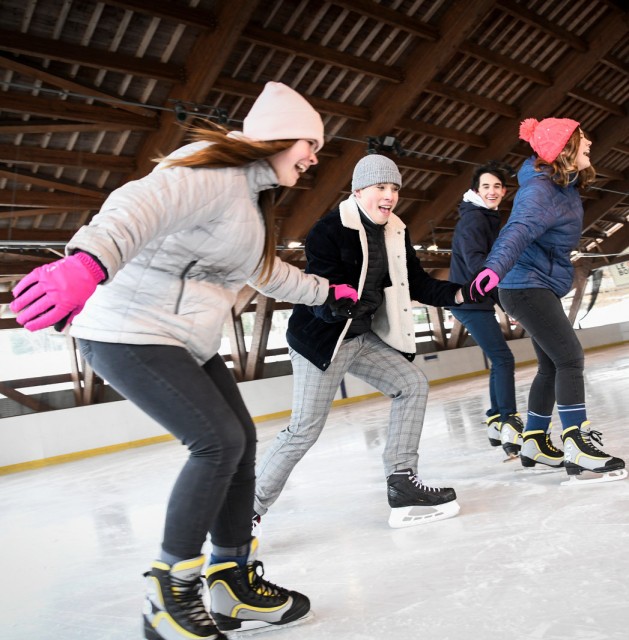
[375, 169]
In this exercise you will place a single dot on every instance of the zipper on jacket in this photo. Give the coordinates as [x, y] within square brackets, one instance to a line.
[184, 274]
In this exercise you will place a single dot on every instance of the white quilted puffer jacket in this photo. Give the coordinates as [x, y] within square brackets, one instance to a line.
[178, 246]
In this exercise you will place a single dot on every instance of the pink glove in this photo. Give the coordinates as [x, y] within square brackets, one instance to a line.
[484, 281]
[344, 291]
[56, 292]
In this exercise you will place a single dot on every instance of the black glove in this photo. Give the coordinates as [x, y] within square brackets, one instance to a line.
[342, 300]
[495, 298]
[467, 297]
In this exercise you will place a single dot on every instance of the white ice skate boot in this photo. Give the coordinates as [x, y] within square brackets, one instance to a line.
[173, 607]
[537, 448]
[414, 503]
[493, 430]
[582, 455]
[241, 599]
[511, 435]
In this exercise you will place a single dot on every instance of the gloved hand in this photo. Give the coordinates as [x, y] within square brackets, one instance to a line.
[478, 287]
[342, 300]
[54, 293]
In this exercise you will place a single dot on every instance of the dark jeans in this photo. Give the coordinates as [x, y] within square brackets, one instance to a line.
[202, 407]
[559, 353]
[485, 329]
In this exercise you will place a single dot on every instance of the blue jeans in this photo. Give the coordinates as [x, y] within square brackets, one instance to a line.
[202, 407]
[484, 328]
[559, 353]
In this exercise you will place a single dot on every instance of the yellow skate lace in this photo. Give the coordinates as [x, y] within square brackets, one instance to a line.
[255, 573]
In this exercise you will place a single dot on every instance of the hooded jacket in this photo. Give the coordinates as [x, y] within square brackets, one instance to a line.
[474, 235]
[533, 248]
[337, 249]
[178, 245]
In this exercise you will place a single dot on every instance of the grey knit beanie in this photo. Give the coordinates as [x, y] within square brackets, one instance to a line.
[375, 169]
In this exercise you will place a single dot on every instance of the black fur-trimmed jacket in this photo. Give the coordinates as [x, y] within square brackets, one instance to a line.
[336, 248]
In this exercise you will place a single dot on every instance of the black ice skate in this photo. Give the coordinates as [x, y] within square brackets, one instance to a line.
[537, 448]
[241, 599]
[414, 503]
[511, 435]
[173, 607]
[581, 454]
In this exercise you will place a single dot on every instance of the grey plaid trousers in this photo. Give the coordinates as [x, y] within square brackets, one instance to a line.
[370, 359]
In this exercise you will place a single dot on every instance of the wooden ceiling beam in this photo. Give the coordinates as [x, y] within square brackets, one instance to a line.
[253, 89]
[539, 102]
[27, 213]
[202, 71]
[535, 20]
[389, 107]
[321, 53]
[443, 133]
[67, 110]
[29, 178]
[63, 158]
[596, 210]
[432, 166]
[47, 199]
[615, 63]
[88, 56]
[36, 235]
[471, 99]
[52, 126]
[66, 84]
[406, 23]
[506, 63]
[169, 11]
[597, 101]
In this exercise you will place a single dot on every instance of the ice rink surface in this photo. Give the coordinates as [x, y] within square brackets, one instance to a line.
[525, 559]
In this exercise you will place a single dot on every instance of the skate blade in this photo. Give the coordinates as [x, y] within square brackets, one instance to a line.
[254, 627]
[541, 471]
[401, 517]
[511, 457]
[608, 476]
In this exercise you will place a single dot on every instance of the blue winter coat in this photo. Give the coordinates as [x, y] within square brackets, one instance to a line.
[533, 248]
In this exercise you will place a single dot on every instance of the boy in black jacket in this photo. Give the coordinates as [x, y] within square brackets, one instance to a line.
[364, 244]
[474, 235]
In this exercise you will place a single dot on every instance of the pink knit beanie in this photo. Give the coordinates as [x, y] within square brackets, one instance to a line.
[548, 137]
[280, 113]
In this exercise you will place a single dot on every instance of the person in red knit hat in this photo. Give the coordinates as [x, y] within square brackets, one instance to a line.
[530, 261]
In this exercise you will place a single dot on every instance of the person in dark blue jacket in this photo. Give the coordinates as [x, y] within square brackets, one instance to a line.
[531, 261]
[363, 243]
[474, 235]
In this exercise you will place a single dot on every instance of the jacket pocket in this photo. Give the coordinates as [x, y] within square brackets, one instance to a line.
[184, 275]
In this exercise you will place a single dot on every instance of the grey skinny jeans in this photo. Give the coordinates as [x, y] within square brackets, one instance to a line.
[203, 408]
[559, 353]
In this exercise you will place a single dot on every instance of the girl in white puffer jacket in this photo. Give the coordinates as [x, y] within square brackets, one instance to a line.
[171, 252]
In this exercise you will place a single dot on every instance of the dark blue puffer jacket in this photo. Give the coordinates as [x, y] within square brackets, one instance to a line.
[533, 248]
[474, 236]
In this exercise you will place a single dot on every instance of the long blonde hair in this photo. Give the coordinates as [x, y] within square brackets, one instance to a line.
[235, 151]
[561, 170]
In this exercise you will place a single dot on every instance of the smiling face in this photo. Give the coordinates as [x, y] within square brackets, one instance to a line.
[378, 200]
[582, 159]
[291, 163]
[491, 190]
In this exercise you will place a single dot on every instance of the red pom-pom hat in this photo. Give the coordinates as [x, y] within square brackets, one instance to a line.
[547, 137]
